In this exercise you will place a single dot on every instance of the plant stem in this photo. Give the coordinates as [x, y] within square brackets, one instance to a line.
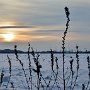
[63, 44]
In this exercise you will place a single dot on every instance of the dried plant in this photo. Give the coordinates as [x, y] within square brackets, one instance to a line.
[77, 57]
[16, 54]
[77, 68]
[2, 76]
[63, 44]
[88, 61]
[52, 59]
[38, 67]
[30, 68]
[10, 65]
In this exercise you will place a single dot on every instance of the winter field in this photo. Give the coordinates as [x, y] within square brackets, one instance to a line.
[49, 79]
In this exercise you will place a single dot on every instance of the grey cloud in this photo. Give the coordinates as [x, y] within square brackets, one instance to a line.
[42, 32]
[2, 27]
[35, 12]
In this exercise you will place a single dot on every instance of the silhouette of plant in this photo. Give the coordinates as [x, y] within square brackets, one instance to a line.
[2, 76]
[16, 53]
[63, 44]
[10, 65]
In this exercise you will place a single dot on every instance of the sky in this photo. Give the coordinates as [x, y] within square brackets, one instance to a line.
[42, 23]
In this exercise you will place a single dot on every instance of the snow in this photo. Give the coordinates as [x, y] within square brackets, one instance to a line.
[18, 78]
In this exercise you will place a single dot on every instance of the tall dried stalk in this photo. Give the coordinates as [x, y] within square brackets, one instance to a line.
[77, 60]
[63, 44]
[16, 53]
[38, 67]
[87, 86]
[10, 65]
[30, 70]
[72, 72]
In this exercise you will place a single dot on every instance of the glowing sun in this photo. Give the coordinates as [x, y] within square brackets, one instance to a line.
[8, 36]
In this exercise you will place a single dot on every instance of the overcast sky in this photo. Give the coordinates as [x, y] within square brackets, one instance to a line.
[42, 23]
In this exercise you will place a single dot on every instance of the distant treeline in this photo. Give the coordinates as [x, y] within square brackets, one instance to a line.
[42, 52]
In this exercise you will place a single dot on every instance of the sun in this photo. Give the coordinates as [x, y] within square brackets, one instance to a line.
[8, 36]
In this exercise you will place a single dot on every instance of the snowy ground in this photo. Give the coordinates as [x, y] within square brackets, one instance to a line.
[19, 81]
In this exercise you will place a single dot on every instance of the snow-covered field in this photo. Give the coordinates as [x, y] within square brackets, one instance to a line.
[54, 80]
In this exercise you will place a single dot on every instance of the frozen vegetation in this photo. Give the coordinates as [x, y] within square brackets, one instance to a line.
[50, 79]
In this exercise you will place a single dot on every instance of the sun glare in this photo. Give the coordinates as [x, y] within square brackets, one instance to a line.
[7, 23]
[8, 36]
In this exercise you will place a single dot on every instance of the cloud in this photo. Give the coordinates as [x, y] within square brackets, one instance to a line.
[3, 27]
[44, 18]
[33, 12]
[41, 12]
